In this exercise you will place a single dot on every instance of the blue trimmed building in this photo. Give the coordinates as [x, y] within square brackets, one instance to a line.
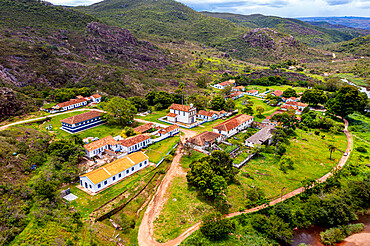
[82, 122]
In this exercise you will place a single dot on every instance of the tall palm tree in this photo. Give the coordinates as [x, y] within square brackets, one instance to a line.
[331, 149]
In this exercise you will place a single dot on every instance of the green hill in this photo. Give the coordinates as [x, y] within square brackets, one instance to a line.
[302, 31]
[357, 47]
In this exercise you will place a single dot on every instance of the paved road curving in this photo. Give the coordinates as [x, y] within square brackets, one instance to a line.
[145, 236]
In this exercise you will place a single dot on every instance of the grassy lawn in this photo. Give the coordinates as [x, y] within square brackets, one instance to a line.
[154, 116]
[261, 88]
[49, 105]
[87, 203]
[360, 126]
[311, 159]
[207, 126]
[352, 78]
[256, 102]
[157, 151]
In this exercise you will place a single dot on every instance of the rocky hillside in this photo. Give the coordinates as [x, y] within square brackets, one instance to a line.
[304, 32]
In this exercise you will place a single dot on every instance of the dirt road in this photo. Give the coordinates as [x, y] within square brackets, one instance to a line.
[145, 236]
[44, 117]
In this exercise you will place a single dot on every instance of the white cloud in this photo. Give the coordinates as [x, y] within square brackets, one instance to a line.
[284, 8]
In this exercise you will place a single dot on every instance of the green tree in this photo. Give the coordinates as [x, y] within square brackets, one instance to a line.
[346, 101]
[260, 110]
[289, 93]
[119, 111]
[140, 103]
[182, 88]
[222, 164]
[150, 97]
[230, 105]
[331, 149]
[247, 109]
[285, 163]
[45, 187]
[218, 103]
[163, 98]
[314, 97]
[215, 226]
[202, 81]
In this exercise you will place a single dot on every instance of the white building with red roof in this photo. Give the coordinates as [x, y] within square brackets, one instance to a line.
[182, 114]
[277, 93]
[234, 125]
[82, 121]
[252, 92]
[99, 146]
[169, 131]
[134, 143]
[96, 98]
[224, 84]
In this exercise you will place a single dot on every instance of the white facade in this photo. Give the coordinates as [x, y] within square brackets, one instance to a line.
[135, 147]
[76, 105]
[235, 130]
[88, 184]
[186, 115]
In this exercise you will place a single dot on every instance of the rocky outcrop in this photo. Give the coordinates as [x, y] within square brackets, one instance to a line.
[269, 39]
[104, 42]
[9, 104]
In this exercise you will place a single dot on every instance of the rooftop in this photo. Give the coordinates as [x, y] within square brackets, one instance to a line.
[206, 136]
[233, 122]
[133, 140]
[98, 175]
[144, 128]
[171, 115]
[207, 113]
[82, 117]
[71, 102]
[229, 82]
[96, 96]
[277, 93]
[180, 107]
[100, 143]
[168, 129]
[300, 104]
[261, 136]
[253, 91]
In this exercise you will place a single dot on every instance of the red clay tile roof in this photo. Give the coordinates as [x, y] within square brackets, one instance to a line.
[133, 140]
[252, 91]
[180, 107]
[233, 122]
[240, 87]
[276, 112]
[235, 94]
[144, 128]
[229, 82]
[277, 93]
[109, 140]
[96, 96]
[71, 102]
[82, 117]
[207, 113]
[171, 115]
[297, 104]
[206, 136]
[168, 129]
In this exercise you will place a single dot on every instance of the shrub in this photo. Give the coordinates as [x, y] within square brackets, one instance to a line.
[361, 149]
[338, 234]
[215, 227]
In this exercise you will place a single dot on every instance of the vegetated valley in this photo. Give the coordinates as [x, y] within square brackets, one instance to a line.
[135, 65]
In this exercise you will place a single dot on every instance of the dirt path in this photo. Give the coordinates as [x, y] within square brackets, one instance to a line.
[44, 117]
[145, 236]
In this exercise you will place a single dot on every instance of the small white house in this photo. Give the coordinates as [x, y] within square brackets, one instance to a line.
[224, 84]
[169, 131]
[277, 93]
[252, 92]
[182, 113]
[263, 136]
[134, 143]
[234, 125]
[205, 140]
[99, 146]
[96, 98]
[113, 172]
[299, 105]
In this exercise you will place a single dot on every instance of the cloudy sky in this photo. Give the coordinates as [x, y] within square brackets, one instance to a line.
[284, 8]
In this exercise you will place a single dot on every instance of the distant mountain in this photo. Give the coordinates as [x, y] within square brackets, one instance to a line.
[355, 22]
[304, 32]
[355, 32]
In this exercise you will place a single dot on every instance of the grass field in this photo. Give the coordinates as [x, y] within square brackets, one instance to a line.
[360, 126]
[352, 78]
[158, 150]
[154, 116]
[311, 159]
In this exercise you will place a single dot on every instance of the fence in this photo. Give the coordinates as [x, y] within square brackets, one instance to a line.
[244, 161]
[159, 163]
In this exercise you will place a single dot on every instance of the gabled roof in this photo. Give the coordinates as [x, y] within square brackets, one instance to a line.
[144, 128]
[98, 175]
[71, 102]
[133, 140]
[171, 115]
[261, 136]
[207, 113]
[229, 82]
[81, 117]
[109, 140]
[233, 122]
[300, 104]
[168, 129]
[96, 96]
[236, 94]
[180, 107]
[252, 91]
[206, 136]
[277, 93]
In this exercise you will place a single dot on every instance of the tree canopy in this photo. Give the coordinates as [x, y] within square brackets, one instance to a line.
[119, 111]
[314, 97]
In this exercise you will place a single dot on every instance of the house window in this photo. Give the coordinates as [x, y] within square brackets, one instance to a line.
[127, 171]
[145, 162]
[90, 186]
[99, 185]
[81, 182]
[141, 164]
[105, 182]
[132, 169]
[114, 178]
[119, 175]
